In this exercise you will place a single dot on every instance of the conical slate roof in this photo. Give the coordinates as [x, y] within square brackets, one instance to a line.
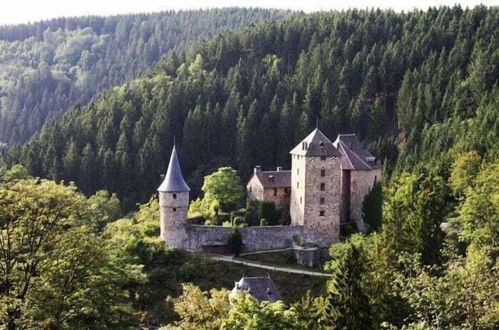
[174, 181]
[316, 144]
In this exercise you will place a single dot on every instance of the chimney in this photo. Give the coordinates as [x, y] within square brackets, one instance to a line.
[257, 169]
[279, 168]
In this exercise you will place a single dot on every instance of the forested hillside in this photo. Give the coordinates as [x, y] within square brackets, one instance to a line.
[413, 86]
[421, 90]
[47, 67]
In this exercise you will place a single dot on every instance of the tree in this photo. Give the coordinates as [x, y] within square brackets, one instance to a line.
[464, 171]
[201, 310]
[55, 272]
[372, 204]
[222, 190]
[235, 242]
[248, 313]
[348, 305]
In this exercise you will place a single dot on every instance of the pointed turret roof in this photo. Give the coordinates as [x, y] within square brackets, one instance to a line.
[355, 156]
[174, 181]
[316, 144]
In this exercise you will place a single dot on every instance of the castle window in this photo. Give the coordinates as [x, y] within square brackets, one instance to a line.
[323, 172]
[321, 213]
[323, 186]
[323, 157]
[322, 200]
[297, 171]
[251, 189]
[297, 184]
[300, 200]
[275, 191]
[375, 178]
[174, 196]
[286, 191]
[174, 210]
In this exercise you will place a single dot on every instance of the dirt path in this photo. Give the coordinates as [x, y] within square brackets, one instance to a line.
[266, 266]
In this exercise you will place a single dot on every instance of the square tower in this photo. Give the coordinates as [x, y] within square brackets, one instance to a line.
[316, 185]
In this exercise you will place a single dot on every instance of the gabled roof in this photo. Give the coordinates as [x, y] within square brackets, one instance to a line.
[316, 144]
[262, 288]
[355, 156]
[174, 181]
[274, 179]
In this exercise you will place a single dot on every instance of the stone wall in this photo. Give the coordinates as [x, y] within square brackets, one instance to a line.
[254, 238]
[254, 189]
[297, 208]
[322, 207]
[173, 217]
[278, 196]
[268, 237]
[361, 184]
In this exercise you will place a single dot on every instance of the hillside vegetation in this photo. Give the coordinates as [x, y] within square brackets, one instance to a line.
[50, 66]
[419, 88]
[408, 84]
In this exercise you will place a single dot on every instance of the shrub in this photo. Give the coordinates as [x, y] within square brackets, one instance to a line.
[235, 242]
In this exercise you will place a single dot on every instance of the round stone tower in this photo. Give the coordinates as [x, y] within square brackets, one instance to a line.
[174, 205]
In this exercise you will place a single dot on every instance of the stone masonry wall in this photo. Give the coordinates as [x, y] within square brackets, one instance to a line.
[278, 196]
[254, 238]
[298, 170]
[361, 184]
[329, 223]
[173, 217]
[254, 189]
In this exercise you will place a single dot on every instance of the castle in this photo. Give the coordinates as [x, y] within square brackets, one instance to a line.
[325, 187]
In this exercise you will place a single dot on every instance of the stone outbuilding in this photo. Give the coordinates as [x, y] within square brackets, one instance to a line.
[272, 186]
[261, 288]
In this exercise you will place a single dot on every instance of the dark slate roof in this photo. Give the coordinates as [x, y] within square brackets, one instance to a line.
[174, 181]
[262, 288]
[316, 144]
[355, 156]
[274, 179]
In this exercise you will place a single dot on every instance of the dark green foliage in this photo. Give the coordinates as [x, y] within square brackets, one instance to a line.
[235, 242]
[258, 210]
[348, 305]
[372, 207]
[48, 67]
[246, 97]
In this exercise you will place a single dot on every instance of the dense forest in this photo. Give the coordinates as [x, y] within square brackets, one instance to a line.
[47, 67]
[408, 84]
[419, 88]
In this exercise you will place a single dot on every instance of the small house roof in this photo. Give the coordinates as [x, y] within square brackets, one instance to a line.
[316, 144]
[174, 180]
[355, 156]
[262, 288]
[274, 179]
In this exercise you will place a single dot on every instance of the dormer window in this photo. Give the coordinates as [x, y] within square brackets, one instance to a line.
[371, 159]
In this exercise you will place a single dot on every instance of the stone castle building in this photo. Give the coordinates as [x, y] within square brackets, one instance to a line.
[325, 186]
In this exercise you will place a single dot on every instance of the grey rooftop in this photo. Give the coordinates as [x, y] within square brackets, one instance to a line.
[262, 288]
[316, 144]
[355, 156]
[174, 181]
